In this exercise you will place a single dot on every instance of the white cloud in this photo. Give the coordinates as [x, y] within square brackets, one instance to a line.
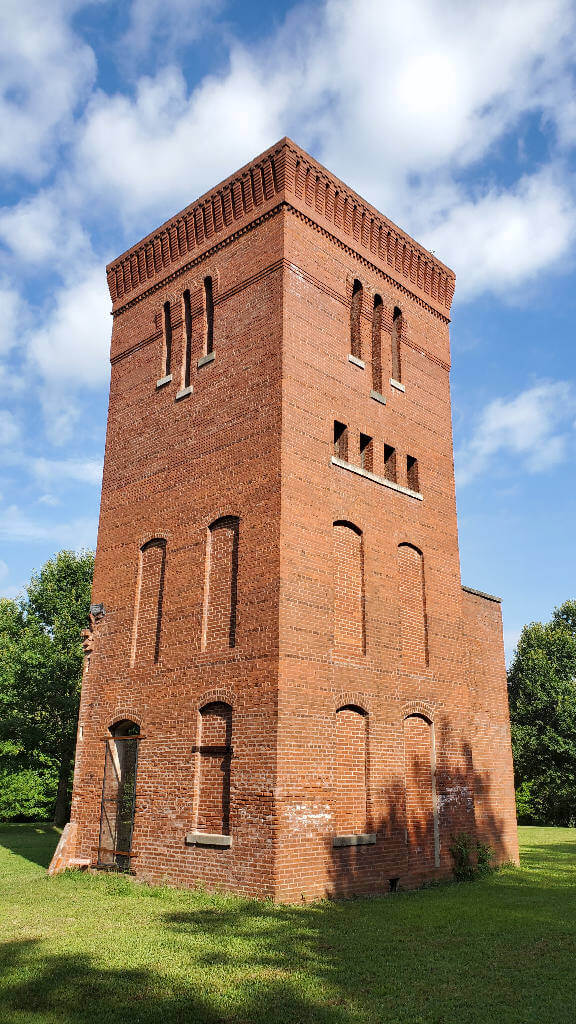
[45, 71]
[41, 229]
[166, 25]
[71, 346]
[9, 428]
[88, 471]
[13, 318]
[49, 499]
[535, 427]
[506, 237]
[16, 526]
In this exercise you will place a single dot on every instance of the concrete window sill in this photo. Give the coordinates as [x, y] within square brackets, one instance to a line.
[365, 839]
[357, 362]
[378, 397]
[205, 360]
[396, 384]
[377, 479]
[183, 393]
[163, 381]
[208, 839]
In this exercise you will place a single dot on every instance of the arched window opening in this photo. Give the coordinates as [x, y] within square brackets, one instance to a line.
[209, 313]
[421, 808]
[355, 320]
[377, 344]
[221, 591]
[350, 770]
[215, 755]
[149, 602]
[349, 639]
[167, 340]
[396, 339]
[118, 796]
[187, 339]
[412, 597]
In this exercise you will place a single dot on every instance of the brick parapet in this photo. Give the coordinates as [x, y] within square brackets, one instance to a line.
[283, 175]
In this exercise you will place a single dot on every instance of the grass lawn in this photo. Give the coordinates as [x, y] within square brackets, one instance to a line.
[81, 948]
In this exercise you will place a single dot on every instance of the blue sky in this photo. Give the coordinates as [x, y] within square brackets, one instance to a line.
[456, 119]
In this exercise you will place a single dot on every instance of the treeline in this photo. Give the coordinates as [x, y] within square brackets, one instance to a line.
[40, 678]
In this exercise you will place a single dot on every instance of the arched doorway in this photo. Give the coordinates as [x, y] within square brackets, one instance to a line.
[118, 796]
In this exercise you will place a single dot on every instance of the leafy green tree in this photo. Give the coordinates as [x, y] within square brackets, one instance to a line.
[41, 669]
[542, 692]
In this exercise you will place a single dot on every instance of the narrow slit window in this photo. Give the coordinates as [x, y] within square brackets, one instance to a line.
[390, 463]
[355, 315]
[412, 473]
[377, 344]
[366, 452]
[167, 340]
[187, 339]
[341, 441]
[209, 309]
[396, 339]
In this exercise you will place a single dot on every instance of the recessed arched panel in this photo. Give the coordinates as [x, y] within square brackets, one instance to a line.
[220, 605]
[149, 602]
[348, 575]
[350, 770]
[397, 322]
[377, 343]
[412, 600]
[355, 320]
[421, 809]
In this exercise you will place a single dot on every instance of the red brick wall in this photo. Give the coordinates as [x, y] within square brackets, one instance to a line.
[267, 606]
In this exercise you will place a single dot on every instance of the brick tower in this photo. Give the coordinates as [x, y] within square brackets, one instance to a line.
[287, 691]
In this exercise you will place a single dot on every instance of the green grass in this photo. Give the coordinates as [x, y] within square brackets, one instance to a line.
[81, 948]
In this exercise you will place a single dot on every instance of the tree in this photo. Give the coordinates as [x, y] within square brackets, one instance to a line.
[542, 693]
[41, 668]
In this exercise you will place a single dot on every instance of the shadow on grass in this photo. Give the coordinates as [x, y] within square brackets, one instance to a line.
[35, 842]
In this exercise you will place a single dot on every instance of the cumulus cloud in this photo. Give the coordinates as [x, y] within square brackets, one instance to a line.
[536, 427]
[17, 526]
[87, 471]
[505, 237]
[166, 25]
[41, 230]
[14, 318]
[45, 71]
[70, 345]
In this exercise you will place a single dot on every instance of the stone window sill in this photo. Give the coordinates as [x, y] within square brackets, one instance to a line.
[396, 384]
[163, 381]
[205, 360]
[357, 362]
[378, 397]
[208, 839]
[364, 839]
[183, 393]
[377, 479]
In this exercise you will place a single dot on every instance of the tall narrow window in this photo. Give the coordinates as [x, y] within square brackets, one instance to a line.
[421, 810]
[149, 601]
[390, 463]
[396, 339]
[221, 583]
[118, 796]
[348, 590]
[340, 441]
[355, 320]
[215, 750]
[209, 310]
[187, 339]
[167, 340]
[412, 473]
[350, 748]
[411, 590]
[377, 344]
[366, 452]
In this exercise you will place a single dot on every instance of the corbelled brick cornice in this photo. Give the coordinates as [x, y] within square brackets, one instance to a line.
[284, 174]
